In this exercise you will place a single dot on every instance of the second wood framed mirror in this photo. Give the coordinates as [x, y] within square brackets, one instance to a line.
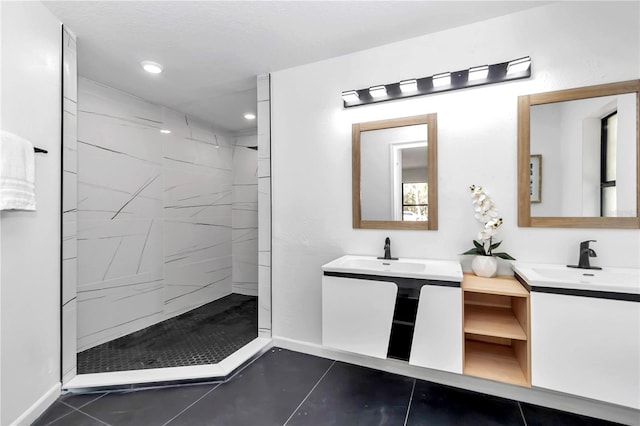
[587, 138]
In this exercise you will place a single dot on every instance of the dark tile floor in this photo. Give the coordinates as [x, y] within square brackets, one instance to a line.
[289, 388]
[205, 335]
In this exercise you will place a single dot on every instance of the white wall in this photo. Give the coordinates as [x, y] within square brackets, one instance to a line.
[569, 43]
[30, 241]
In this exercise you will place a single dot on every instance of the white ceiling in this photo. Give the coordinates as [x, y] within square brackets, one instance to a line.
[212, 51]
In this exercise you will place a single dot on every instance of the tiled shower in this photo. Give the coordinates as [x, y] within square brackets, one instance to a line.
[166, 222]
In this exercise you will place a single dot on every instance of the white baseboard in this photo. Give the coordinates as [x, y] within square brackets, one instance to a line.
[537, 396]
[39, 407]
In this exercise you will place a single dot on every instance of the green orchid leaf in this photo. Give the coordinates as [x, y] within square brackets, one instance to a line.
[503, 256]
[473, 251]
[478, 245]
[495, 246]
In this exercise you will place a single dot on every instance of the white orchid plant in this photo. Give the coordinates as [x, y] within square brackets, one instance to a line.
[487, 214]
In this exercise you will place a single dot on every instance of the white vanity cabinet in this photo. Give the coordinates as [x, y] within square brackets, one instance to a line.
[587, 346]
[357, 314]
[437, 339]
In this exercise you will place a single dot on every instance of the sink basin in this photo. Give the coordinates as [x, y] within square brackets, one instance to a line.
[618, 280]
[426, 269]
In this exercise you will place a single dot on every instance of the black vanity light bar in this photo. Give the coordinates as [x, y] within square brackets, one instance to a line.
[442, 82]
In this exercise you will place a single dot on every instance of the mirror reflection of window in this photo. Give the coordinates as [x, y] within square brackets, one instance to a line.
[414, 201]
[390, 157]
[589, 151]
[608, 193]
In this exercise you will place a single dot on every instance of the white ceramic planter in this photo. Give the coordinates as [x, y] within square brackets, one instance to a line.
[485, 266]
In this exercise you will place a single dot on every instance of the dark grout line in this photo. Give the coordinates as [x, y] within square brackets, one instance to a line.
[80, 411]
[306, 397]
[413, 388]
[522, 413]
[192, 404]
[61, 417]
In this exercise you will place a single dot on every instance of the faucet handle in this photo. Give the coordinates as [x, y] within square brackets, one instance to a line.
[586, 243]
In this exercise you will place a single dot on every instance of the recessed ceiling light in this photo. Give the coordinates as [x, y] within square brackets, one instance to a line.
[151, 67]
[166, 131]
[250, 116]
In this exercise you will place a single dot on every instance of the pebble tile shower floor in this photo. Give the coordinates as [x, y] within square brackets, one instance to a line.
[205, 335]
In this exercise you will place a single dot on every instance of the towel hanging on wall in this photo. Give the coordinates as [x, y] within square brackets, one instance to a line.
[17, 173]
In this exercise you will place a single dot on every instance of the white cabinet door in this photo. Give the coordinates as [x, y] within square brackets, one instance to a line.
[437, 339]
[586, 346]
[357, 315]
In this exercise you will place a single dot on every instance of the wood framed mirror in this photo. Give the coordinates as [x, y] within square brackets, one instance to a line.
[394, 173]
[588, 140]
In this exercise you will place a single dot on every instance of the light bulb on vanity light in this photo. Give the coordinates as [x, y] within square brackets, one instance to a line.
[519, 65]
[378, 91]
[478, 73]
[443, 79]
[350, 96]
[408, 86]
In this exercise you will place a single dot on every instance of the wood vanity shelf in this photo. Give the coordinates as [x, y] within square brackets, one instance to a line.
[496, 329]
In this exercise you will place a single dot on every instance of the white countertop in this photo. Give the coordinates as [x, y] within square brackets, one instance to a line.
[425, 269]
[616, 280]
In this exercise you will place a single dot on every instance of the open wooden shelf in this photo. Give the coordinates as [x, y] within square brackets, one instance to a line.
[492, 321]
[496, 327]
[502, 285]
[494, 362]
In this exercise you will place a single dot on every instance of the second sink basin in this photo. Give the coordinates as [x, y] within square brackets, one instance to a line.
[619, 280]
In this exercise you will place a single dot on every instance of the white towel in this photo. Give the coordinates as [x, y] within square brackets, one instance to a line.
[17, 173]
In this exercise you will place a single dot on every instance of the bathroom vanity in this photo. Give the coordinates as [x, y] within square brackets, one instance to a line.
[409, 309]
[573, 331]
[585, 331]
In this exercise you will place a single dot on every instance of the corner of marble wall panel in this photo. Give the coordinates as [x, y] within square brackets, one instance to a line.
[138, 299]
[70, 68]
[264, 118]
[264, 87]
[264, 258]
[69, 279]
[247, 289]
[264, 301]
[69, 340]
[264, 167]
[190, 285]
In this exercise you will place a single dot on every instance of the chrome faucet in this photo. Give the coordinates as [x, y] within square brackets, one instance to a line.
[585, 253]
[387, 250]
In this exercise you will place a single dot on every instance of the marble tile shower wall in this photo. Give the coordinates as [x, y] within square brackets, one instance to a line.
[69, 202]
[245, 216]
[154, 214]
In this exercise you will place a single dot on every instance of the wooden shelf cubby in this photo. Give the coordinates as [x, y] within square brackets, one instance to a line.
[496, 329]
